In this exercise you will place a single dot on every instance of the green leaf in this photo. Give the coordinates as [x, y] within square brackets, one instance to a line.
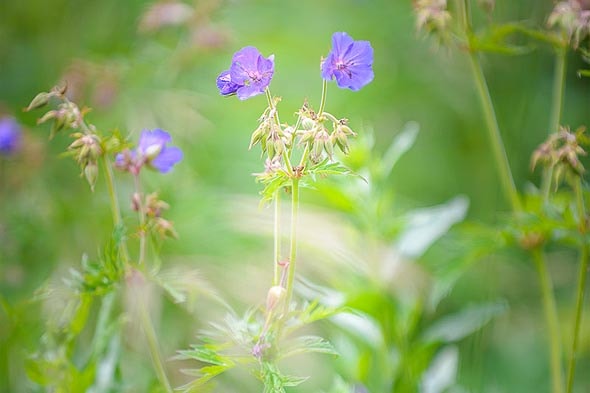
[306, 344]
[457, 326]
[402, 143]
[585, 73]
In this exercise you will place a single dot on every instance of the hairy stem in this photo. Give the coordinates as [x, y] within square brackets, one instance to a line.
[581, 285]
[293, 247]
[495, 137]
[552, 321]
[115, 209]
[285, 154]
[556, 109]
[277, 239]
[152, 340]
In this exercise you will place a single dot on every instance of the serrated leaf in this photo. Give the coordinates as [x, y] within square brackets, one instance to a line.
[306, 344]
[203, 353]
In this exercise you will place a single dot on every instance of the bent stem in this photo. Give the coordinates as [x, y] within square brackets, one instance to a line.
[293, 247]
[552, 320]
[581, 286]
[495, 137]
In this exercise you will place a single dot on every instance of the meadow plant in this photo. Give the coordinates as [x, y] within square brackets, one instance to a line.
[116, 273]
[296, 155]
[549, 214]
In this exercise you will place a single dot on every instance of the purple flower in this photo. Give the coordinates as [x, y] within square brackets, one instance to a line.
[249, 75]
[350, 62]
[10, 136]
[225, 85]
[152, 150]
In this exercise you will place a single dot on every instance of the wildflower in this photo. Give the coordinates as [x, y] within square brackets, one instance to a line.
[249, 75]
[10, 136]
[152, 150]
[349, 61]
[573, 18]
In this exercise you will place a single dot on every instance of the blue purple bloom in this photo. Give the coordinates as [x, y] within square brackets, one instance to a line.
[152, 150]
[249, 75]
[10, 136]
[349, 61]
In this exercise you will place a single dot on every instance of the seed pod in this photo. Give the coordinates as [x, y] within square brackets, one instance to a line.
[91, 174]
[39, 101]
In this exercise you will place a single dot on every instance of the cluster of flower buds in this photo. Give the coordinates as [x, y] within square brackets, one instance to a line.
[153, 209]
[272, 137]
[572, 17]
[317, 138]
[87, 150]
[561, 151]
[87, 146]
[432, 16]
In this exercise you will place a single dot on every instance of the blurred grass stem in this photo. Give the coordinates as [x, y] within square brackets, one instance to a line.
[552, 320]
[581, 286]
[277, 238]
[141, 216]
[495, 137]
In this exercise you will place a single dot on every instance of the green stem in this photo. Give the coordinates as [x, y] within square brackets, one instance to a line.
[141, 217]
[115, 210]
[552, 321]
[277, 239]
[150, 335]
[556, 109]
[581, 286]
[323, 100]
[495, 137]
[285, 154]
[293, 249]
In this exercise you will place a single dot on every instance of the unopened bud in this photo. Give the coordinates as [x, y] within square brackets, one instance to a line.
[48, 116]
[307, 123]
[39, 101]
[135, 202]
[91, 174]
[274, 297]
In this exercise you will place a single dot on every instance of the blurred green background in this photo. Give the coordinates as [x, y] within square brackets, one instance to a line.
[136, 76]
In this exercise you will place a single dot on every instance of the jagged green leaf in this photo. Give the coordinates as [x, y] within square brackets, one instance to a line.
[306, 344]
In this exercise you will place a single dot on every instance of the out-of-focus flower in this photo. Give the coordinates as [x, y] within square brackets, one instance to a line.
[573, 18]
[165, 13]
[349, 61]
[249, 75]
[153, 151]
[432, 16]
[10, 136]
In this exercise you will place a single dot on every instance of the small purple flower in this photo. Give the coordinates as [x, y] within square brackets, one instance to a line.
[249, 75]
[152, 150]
[349, 61]
[10, 136]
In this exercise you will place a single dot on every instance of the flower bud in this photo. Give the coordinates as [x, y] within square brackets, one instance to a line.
[274, 297]
[91, 174]
[39, 101]
[307, 123]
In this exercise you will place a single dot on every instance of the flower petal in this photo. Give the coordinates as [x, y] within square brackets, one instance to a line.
[225, 84]
[167, 158]
[149, 140]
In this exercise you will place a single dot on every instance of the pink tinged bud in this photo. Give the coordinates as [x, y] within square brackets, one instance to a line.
[274, 297]
[136, 202]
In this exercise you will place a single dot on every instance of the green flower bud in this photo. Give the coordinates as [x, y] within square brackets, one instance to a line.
[274, 297]
[91, 174]
[39, 101]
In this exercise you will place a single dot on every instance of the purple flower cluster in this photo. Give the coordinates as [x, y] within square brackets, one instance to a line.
[349, 61]
[153, 151]
[249, 75]
[10, 136]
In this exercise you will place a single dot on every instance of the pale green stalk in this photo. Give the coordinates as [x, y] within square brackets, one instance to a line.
[323, 100]
[581, 285]
[502, 165]
[152, 340]
[141, 217]
[285, 154]
[293, 246]
[277, 238]
[552, 320]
